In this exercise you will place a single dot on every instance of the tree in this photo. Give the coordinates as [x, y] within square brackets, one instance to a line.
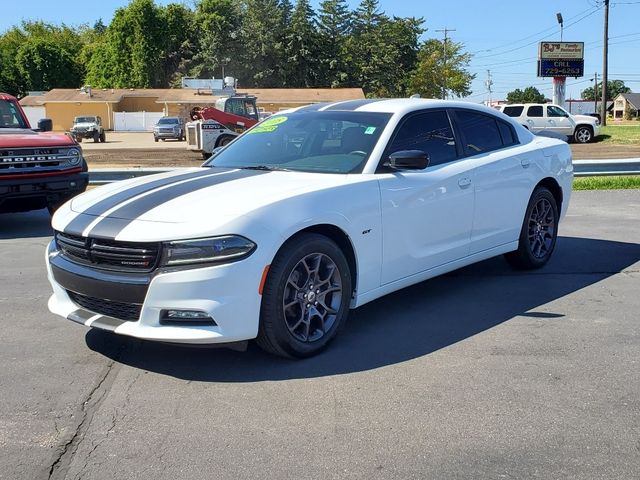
[131, 54]
[40, 56]
[301, 48]
[528, 95]
[380, 51]
[45, 64]
[218, 46]
[614, 88]
[263, 35]
[433, 75]
[334, 26]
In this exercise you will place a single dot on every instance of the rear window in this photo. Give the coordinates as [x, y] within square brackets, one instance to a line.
[480, 132]
[513, 111]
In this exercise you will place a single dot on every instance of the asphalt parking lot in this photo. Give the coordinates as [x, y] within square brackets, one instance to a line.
[482, 373]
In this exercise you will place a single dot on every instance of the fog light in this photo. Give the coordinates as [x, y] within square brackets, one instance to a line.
[185, 316]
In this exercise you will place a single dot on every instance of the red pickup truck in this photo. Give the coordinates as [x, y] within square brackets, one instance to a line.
[38, 168]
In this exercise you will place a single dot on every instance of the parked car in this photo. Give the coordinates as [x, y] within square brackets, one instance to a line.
[38, 168]
[169, 128]
[309, 214]
[88, 126]
[539, 117]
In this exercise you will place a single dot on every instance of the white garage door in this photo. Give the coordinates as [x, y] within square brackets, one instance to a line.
[135, 121]
[34, 114]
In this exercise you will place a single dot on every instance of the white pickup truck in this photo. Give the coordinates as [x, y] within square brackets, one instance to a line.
[539, 117]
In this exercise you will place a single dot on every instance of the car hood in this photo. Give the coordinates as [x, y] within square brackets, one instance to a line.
[207, 198]
[84, 125]
[25, 138]
[585, 118]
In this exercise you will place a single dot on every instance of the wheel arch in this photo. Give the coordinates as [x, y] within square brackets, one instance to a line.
[554, 187]
[340, 237]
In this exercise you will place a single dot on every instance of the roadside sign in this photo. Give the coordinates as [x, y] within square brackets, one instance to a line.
[561, 59]
[560, 68]
[561, 51]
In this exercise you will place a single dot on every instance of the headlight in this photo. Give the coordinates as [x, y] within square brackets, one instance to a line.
[207, 250]
[74, 156]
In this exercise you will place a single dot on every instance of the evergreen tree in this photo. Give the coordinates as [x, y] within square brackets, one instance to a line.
[334, 27]
[302, 48]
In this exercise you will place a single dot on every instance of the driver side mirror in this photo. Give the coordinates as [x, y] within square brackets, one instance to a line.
[45, 125]
[408, 160]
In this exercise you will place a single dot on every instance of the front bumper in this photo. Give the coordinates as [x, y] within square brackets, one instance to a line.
[31, 192]
[167, 135]
[227, 292]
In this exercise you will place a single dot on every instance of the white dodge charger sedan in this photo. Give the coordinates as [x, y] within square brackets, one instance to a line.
[311, 213]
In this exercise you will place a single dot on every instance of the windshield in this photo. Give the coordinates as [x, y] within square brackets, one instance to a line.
[84, 120]
[309, 141]
[9, 116]
[167, 121]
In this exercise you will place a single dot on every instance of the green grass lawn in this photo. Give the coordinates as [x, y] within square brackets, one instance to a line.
[606, 183]
[620, 135]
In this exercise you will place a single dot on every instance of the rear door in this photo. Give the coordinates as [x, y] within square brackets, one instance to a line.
[426, 214]
[536, 121]
[503, 178]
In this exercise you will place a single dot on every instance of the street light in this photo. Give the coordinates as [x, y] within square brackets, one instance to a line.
[559, 17]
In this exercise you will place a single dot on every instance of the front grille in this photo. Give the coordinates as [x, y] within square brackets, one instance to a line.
[25, 160]
[109, 254]
[123, 311]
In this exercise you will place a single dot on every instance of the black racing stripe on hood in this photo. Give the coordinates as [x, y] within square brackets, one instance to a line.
[81, 222]
[112, 225]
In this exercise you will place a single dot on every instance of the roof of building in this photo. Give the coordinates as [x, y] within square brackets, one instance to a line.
[179, 95]
[633, 99]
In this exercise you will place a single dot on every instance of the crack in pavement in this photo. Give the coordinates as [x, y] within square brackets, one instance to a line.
[65, 451]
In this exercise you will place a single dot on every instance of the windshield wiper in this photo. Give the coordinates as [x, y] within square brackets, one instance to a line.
[267, 168]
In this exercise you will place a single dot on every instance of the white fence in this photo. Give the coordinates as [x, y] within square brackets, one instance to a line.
[135, 121]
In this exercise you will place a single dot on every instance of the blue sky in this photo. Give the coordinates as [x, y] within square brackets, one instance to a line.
[502, 34]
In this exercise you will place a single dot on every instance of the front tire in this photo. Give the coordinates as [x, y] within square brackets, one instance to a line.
[306, 297]
[583, 134]
[539, 232]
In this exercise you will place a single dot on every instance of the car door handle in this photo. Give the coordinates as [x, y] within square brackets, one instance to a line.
[525, 162]
[464, 182]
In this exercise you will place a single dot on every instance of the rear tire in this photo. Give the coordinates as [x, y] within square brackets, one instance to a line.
[539, 232]
[306, 297]
[224, 141]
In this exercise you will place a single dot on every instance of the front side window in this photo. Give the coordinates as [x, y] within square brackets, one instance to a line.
[430, 132]
[480, 132]
[310, 141]
[9, 115]
[553, 111]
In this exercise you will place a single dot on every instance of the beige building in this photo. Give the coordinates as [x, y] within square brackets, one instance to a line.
[62, 105]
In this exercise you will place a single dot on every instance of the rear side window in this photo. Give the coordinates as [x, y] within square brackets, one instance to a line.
[430, 132]
[513, 111]
[535, 111]
[480, 132]
[506, 132]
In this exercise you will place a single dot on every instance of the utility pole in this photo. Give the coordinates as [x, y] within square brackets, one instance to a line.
[489, 83]
[595, 93]
[444, 68]
[605, 55]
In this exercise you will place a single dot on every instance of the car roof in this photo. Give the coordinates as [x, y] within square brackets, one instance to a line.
[393, 105]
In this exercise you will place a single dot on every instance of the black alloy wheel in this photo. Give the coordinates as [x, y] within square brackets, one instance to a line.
[539, 232]
[306, 297]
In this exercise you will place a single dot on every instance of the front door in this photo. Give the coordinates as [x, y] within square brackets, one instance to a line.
[426, 215]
